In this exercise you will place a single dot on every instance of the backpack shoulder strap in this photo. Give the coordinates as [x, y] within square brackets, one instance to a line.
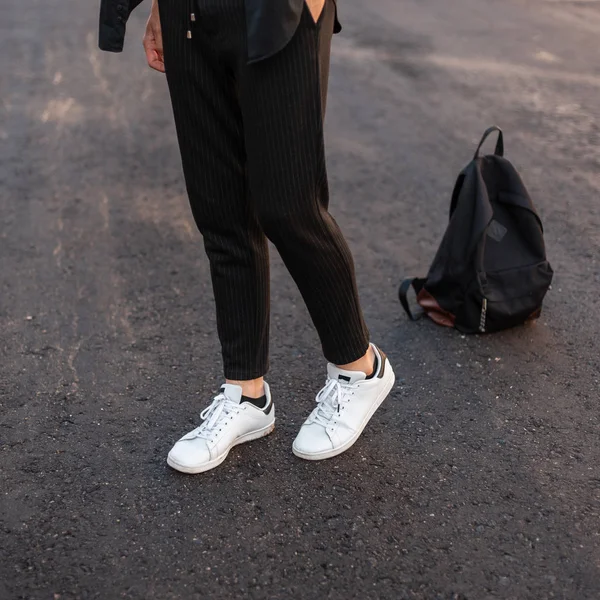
[417, 285]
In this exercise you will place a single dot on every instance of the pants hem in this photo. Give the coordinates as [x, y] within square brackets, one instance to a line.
[245, 375]
[349, 355]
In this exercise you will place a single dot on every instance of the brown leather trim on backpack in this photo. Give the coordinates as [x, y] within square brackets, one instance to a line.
[536, 314]
[433, 310]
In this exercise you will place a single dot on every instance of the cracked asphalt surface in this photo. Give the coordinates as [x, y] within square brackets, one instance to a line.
[479, 477]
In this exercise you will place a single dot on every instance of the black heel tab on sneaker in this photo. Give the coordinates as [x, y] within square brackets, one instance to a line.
[381, 358]
[375, 366]
[383, 361]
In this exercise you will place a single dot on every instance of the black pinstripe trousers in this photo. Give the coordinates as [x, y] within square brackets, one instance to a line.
[252, 147]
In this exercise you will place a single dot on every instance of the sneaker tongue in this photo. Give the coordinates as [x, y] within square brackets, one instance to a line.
[232, 391]
[343, 375]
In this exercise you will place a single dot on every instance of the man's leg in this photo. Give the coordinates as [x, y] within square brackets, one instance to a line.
[209, 128]
[283, 102]
[211, 138]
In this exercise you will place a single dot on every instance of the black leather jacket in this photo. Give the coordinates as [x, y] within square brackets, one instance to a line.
[271, 24]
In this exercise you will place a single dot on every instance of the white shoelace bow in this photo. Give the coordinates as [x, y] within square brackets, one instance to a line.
[330, 398]
[213, 415]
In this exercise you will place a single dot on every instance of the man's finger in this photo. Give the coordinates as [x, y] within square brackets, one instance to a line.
[158, 65]
[154, 58]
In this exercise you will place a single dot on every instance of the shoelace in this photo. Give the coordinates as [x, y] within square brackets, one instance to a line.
[330, 399]
[222, 407]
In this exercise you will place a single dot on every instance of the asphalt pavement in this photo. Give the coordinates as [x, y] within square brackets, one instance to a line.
[478, 479]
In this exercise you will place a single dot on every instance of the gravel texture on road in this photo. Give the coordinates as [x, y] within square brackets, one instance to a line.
[478, 478]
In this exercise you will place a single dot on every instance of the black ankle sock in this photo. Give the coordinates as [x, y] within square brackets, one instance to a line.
[259, 402]
[375, 365]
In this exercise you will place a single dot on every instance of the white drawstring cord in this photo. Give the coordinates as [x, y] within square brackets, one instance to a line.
[192, 18]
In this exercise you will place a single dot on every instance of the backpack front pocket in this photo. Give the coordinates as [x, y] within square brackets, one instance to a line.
[514, 295]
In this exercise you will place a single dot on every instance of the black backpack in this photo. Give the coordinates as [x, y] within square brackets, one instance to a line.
[490, 271]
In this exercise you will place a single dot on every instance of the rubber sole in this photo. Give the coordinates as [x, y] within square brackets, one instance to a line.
[335, 451]
[248, 437]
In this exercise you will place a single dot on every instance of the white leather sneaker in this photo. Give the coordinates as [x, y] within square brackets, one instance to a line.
[227, 422]
[344, 407]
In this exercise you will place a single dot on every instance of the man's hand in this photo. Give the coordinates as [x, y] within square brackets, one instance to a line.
[153, 44]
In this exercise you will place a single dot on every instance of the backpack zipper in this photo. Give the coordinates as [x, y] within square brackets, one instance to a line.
[483, 317]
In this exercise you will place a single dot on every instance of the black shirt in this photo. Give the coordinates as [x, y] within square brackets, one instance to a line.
[270, 24]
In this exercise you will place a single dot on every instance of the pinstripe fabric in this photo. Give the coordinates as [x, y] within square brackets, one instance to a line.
[251, 140]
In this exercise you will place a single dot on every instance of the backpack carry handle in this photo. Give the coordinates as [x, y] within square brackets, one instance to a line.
[499, 144]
